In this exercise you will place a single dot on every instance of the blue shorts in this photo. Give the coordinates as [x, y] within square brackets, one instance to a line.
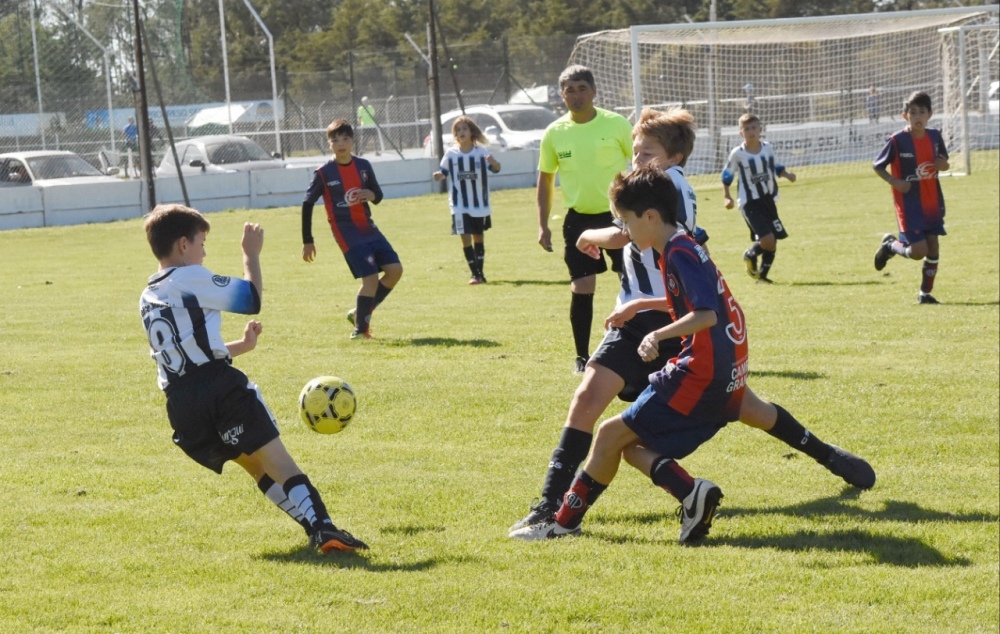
[912, 235]
[665, 430]
[368, 258]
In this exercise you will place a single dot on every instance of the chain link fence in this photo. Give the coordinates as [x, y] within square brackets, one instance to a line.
[68, 84]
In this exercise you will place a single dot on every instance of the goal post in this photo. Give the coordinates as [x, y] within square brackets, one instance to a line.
[829, 90]
[971, 60]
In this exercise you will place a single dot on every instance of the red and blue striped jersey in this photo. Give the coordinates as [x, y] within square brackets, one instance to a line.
[912, 159]
[707, 379]
[339, 186]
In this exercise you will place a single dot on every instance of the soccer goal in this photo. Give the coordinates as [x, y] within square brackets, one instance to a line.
[829, 90]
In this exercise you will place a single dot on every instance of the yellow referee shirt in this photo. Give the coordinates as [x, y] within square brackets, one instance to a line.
[587, 156]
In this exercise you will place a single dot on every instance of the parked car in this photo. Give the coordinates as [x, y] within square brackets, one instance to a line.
[44, 168]
[216, 155]
[507, 126]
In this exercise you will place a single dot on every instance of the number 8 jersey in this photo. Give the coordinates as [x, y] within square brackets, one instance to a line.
[180, 309]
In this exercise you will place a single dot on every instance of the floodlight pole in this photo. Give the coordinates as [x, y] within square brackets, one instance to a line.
[38, 77]
[274, 82]
[142, 111]
[225, 65]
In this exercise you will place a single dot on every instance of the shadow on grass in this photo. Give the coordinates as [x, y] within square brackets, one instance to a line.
[346, 560]
[529, 283]
[443, 342]
[785, 374]
[883, 549]
[994, 303]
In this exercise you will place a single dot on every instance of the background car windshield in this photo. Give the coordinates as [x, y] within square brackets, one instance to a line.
[235, 152]
[528, 119]
[63, 166]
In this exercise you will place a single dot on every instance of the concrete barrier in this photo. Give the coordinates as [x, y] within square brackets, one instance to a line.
[26, 207]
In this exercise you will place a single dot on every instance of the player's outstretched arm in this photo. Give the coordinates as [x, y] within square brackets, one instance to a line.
[592, 241]
[249, 340]
[252, 244]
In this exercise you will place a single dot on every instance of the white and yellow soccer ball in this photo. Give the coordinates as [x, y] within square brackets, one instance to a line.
[327, 404]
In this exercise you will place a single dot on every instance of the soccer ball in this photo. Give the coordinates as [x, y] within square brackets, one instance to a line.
[327, 404]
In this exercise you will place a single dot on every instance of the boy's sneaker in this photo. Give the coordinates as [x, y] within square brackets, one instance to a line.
[764, 280]
[750, 261]
[540, 512]
[927, 298]
[884, 251]
[697, 511]
[853, 469]
[330, 537]
[541, 531]
[350, 315]
[357, 334]
[474, 280]
[580, 365]
[481, 278]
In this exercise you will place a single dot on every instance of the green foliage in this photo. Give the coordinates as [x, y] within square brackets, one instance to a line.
[108, 527]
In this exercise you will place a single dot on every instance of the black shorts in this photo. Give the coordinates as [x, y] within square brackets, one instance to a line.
[464, 224]
[217, 414]
[761, 216]
[619, 352]
[581, 264]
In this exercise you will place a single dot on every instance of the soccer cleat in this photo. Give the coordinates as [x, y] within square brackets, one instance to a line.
[474, 280]
[884, 251]
[580, 366]
[927, 298]
[350, 316]
[357, 334]
[853, 469]
[750, 261]
[329, 537]
[548, 529]
[764, 280]
[540, 512]
[481, 278]
[697, 511]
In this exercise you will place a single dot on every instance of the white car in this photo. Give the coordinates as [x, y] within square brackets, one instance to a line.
[217, 155]
[44, 168]
[507, 126]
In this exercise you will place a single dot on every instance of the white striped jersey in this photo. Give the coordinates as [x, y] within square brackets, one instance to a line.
[687, 203]
[468, 181]
[758, 173]
[641, 278]
[180, 309]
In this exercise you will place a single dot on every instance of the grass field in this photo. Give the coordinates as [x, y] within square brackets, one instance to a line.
[106, 527]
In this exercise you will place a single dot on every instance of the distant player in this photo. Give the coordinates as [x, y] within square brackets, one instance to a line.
[754, 164]
[216, 413]
[915, 155]
[467, 165]
[347, 185]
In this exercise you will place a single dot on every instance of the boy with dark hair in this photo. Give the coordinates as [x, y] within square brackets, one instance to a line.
[663, 140]
[915, 155]
[216, 413]
[696, 393]
[753, 161]
[347, 185]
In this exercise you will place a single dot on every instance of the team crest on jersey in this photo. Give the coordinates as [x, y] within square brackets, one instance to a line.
[371, 260]
[221, 280]
[926, 171]
[565, 154]
[672, 285]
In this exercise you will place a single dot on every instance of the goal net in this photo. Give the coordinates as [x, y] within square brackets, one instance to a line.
[828, 90]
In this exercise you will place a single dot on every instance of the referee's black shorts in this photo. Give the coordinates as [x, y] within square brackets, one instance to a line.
[217, 414]
[580, 264]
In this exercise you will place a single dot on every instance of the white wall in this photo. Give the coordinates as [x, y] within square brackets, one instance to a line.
[27, 207]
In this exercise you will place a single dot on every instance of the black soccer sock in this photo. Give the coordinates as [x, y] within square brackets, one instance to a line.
[380, 294]
[581, 496]
[766, 260]
[754, 250]
[792, 433]
[480, 249]
[572, 450]
[672, 478]
[928, 274]
[581, 318]
[363, 313]
[304, 495]
[276, 493]
[470, 258]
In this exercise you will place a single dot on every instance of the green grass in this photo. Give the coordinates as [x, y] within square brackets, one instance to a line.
[106, 527]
